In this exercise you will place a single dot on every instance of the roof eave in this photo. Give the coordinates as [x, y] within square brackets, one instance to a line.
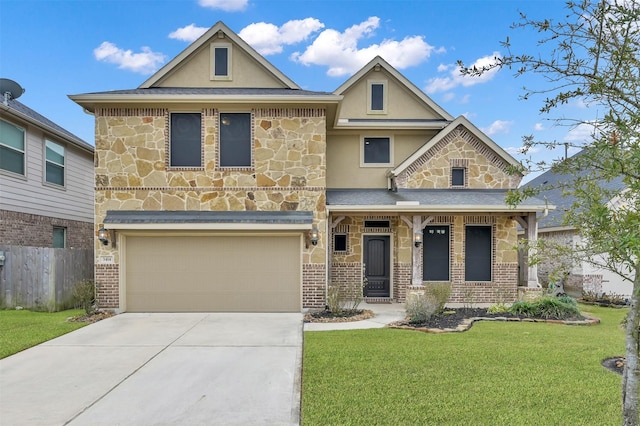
[390, 125]
[434, 208]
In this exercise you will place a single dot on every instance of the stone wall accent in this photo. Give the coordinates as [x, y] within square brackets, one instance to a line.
[24, 229]
[313, 285]
[485, 169]
[107, 288]
[132, 172]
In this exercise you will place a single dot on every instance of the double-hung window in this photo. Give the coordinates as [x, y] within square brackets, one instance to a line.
[11, 148]
[186, 139]
[376, 151]
[220, 61]
[54, 159]
[478, 253]
[235, 139]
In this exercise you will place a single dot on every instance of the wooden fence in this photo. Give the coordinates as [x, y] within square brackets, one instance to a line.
[41, 277]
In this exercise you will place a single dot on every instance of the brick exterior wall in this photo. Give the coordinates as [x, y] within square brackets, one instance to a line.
[347, 276]
[401, 281]
[24, 229]
[313, 285]
[107, 276]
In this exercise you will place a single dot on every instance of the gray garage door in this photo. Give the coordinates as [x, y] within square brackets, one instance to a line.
[213, 273]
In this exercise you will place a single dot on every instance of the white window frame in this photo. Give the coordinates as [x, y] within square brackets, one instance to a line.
[212, 61]
[64, 165]
[362, 144]
[370, 84]
[23, 152]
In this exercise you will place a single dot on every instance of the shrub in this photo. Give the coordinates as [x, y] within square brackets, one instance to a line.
[524, 308]
[439, 294]
[554, 307]
[341, 304]
[420, 308]
[498, 308]
[84, 295]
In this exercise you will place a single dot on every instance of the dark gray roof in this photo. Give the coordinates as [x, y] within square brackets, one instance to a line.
[165, 216]
[214, 91]
[426, 197]
[24, 110]
[555, 195]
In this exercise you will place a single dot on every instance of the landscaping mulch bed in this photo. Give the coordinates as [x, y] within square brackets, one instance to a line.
[91, 318]
[327, 316]
[462, 319]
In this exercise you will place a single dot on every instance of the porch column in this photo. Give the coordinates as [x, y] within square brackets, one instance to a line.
[532, 236]
[417, 271]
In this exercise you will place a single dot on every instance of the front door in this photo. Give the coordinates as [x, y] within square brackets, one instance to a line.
[377, 265]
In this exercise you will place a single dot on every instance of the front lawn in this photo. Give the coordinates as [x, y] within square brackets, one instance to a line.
[20, 330]
[497, 373]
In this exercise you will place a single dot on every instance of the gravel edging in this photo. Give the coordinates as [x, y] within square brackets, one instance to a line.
[467, 323]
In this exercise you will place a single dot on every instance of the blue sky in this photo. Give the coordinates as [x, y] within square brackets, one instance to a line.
[54, 48]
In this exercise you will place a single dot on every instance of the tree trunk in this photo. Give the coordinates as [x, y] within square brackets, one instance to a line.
[631, 375]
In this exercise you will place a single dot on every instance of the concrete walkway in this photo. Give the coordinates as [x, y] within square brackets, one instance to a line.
[143, 369]
[385, 313]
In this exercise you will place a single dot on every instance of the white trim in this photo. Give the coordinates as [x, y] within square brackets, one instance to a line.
[209, 226]
[212, 61]
[64, 165]
[23, 152]
[362, 143]
[435, 208]
[385, 91]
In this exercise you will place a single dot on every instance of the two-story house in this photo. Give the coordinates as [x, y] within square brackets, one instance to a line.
[221, 185]
[46, 182]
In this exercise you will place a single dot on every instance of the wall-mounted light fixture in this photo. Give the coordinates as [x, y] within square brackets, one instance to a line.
[417, 239]
[106, 235]
[314, 236]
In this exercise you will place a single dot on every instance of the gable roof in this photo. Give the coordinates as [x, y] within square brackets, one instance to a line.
[378, 61]
[23, 112]
[203, 39]
[554, 195]
[460, 121]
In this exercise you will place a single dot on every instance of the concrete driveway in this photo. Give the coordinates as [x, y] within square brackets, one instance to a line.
[141, 369]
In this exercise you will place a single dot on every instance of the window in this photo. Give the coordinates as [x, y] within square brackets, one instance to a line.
[235, 140]
[377, 151]
[186, 140]
[59, 237]
[435, 253]
[377, 97]
[220, 61]
[340, 242]
[377, 224]
[11, 148]
[457, 176]
[54, 159]
[477, 262]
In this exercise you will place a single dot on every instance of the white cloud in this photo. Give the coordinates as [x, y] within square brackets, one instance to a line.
[455, 78]
[189, 33]
[538, 127]
[339, 50]
[226, 5]
[144, 62]
[519, 150]
[268, 39]
[498, 126]
[581, 134]
[448, 97]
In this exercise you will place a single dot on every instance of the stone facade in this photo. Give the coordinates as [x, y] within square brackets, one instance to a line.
[24, 229]
[484, 169]
[288, 173]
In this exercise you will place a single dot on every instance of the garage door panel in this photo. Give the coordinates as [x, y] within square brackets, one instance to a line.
[222, 273]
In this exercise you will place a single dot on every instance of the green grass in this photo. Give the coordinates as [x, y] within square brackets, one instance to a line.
[497, 373]
[20, 330]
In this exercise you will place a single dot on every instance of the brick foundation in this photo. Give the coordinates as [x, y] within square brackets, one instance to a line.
[24, 229]
[107, 285]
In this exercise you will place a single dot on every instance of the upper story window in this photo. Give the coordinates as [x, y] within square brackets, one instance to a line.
[12, 148]
[220, 61]
[186, 139]
[235, 139]
[377, 97]
[457, 176]
[376, 151]
[54, 163]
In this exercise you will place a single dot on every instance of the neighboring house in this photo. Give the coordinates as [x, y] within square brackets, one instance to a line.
[583, 276]
[46, 182]
[221, 185]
